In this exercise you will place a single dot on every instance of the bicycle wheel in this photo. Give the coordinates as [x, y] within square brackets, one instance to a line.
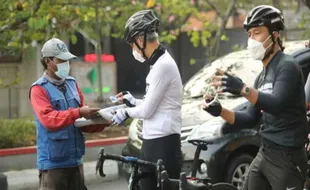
[223, 186]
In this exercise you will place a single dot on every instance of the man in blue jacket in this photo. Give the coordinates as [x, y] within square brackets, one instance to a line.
[57, 102]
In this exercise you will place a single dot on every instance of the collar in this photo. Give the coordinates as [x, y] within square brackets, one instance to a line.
[158, 52]
[275, 59]
[53, 81]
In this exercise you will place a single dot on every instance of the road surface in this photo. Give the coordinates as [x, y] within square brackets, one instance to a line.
[120, 184]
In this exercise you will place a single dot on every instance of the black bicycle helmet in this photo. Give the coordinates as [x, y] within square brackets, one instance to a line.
[142, 22]
[265, 15]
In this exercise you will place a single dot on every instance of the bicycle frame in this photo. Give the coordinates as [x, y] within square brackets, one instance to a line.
[200, 146]
[133, 177]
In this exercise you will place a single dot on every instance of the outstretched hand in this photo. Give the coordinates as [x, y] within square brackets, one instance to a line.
[228, 82]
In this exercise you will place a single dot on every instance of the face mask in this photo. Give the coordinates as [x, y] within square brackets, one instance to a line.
[257, 49]
[138, 56]
[62, 69]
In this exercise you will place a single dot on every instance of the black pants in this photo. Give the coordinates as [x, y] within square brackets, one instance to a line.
[166, 148]
[62, 179]
[274, 169]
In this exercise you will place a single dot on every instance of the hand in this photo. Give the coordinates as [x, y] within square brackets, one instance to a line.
[86, 111]
[126, 98]
[119, 117]
[212, 105]
[229, 83]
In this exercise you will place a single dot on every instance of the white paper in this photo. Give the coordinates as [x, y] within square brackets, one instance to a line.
[103, 116]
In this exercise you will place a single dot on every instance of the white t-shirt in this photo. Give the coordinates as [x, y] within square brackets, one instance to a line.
[161, 107]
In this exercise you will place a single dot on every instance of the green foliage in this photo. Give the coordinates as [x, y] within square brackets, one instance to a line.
[25, 21]
[22, 132]
[192, 61]
[236, 47]
[17, 133]
[304, 24]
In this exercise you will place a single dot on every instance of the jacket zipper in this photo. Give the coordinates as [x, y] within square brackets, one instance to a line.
[73, 131]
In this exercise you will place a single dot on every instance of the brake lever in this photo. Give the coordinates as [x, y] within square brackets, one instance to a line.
[183, 181]
[159, 168]
[100, 163]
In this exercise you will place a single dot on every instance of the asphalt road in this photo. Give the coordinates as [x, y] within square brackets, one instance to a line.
[120, 184]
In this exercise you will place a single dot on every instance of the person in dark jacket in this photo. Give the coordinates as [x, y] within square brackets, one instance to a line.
[307, 91]
[278, 98]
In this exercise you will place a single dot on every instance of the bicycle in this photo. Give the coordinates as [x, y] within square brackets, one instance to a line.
[194, 183]
[135, 175]
[185, 184]
[163, 180]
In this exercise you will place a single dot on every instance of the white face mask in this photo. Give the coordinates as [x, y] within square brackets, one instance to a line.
[63, 69]
[138, 56]
[257, 49]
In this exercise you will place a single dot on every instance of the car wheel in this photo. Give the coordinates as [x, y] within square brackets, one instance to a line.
[237, 169]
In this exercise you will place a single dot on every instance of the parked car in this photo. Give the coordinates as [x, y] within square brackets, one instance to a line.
[228, 159]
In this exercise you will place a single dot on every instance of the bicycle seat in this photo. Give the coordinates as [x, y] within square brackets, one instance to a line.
[205, 142]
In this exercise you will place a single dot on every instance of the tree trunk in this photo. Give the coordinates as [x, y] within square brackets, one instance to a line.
[307, 2]
[98, 54]
[230, 10]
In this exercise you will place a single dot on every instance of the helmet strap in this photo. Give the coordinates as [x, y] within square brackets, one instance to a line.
[272, 46]
[142, 49]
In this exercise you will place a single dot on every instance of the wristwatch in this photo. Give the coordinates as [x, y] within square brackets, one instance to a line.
[246, 91]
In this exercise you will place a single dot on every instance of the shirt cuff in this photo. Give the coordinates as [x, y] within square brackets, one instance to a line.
[76, 113]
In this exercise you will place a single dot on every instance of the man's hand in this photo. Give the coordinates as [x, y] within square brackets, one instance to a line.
[229, 83]
[212, 105]
[126, 98]
[120, 116]
[87, 112]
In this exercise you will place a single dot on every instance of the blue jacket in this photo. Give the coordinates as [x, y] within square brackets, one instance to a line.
[65, 147]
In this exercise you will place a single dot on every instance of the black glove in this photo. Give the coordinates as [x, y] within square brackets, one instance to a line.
[232, 84]
[212, 106]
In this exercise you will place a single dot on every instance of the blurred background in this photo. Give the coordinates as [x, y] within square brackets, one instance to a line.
[195, 32]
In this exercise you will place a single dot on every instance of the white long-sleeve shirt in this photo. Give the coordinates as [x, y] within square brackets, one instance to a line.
[161, 107]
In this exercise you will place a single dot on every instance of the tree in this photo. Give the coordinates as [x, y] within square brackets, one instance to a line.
[307, 3]
[50, 18]
[305, 22]
[29, 22]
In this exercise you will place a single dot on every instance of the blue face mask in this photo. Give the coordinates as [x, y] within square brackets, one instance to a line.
[62, 69]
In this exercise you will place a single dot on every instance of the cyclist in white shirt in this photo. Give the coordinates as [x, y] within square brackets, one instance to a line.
[161, 107]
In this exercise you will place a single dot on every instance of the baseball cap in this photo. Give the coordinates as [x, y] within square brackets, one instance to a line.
[56, 48]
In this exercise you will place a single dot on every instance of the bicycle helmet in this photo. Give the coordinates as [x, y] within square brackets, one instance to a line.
[142, 22]
[265, 15]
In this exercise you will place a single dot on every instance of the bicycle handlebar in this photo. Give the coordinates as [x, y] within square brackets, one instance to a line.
[127, 159]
